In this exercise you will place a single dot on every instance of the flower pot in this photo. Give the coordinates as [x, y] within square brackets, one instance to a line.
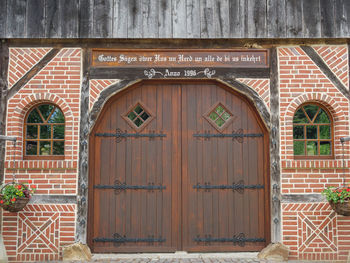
[341, 208]
[17, 206]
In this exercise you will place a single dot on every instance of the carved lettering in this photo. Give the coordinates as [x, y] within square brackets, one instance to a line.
[182, 58]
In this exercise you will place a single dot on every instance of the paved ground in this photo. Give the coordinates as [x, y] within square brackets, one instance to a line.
[181, 258]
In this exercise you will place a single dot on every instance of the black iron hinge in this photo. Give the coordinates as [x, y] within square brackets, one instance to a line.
[239, 187]
[239, 239]
[117, 239]
[235, 135]
[119, 186]
[120, 135]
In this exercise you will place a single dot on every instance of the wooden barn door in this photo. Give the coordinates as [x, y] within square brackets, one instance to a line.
[136, 180]
[178, 166]
[224, 172]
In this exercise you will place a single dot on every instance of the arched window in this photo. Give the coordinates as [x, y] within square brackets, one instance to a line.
[312, 132]
[44, 131]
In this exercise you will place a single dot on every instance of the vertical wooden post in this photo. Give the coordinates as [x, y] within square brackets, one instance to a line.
[275, 150]
[4, 59]
[82, 198]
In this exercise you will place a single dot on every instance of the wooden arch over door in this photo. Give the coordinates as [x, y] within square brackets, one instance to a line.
[178, 165]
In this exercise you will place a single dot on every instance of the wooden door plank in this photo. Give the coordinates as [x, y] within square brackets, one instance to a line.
[16, 19]
[68, 18]
[165, 19]
[134, 19]
[52, 18]
[102, 19]
[256, 17]
[294, 18]
[193, 18]
[150, 18]
[3, 18]
[85, 18]
[311, 21]
[36, 19]
[120, 19]
[276, 18]
[328, 21]
[179, 18]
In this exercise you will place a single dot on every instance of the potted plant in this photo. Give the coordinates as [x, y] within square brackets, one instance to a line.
[339, 199]
[15, 196]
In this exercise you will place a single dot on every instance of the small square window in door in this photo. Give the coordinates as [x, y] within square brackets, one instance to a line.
[219, 116]
[138, 116]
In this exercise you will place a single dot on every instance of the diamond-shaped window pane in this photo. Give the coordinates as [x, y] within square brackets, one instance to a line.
[219, 116]
[219, 109]
[138, 115]
[220, 122]
[213, 116]
[226, 116]
[138, 109]
[132, 115]
[144, 116]
[138, 122]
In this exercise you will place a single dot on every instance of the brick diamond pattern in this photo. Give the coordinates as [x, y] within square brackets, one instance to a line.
[336, 57]
[21, 60]
[98, 85]
[261, 86]
[310, 231]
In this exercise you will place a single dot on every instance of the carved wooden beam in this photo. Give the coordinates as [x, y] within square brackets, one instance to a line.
[4, 59]
[275, 169]
[83, 176]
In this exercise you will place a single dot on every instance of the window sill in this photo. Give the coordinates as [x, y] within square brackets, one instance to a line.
[46, 157]
[313, 157]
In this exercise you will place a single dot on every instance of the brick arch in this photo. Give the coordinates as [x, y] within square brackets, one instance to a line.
[19, 113]
[337, 114]
[322, 98]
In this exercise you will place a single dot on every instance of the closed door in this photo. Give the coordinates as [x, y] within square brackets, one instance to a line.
[178, 166]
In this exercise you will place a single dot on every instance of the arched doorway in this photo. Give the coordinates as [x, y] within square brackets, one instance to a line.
[178, 165]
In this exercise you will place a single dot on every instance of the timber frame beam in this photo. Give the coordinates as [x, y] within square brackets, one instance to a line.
[32, 72]
[4, 60]
[326, 70]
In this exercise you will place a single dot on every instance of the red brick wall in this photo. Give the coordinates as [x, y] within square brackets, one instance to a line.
[59, 83]
[39, 232]
[21, 60]
[310, 230]
[313, 231]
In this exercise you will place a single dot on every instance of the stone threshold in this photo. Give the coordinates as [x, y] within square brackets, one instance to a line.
[176, 255]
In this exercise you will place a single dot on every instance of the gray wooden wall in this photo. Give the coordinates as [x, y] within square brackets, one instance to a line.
[175, 19]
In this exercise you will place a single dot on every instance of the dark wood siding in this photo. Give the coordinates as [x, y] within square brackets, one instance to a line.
[175, 19]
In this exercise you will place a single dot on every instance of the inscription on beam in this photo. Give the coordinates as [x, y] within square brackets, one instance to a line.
[177, 63]
[180, 58]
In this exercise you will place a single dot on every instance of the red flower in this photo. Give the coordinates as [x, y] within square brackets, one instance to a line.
[33, 186]
[348, 190]
[19, 186]
[30, 181]
[13, 199]
[1, 201]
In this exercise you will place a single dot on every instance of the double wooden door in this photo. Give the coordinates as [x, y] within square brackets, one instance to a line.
[178, 166]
